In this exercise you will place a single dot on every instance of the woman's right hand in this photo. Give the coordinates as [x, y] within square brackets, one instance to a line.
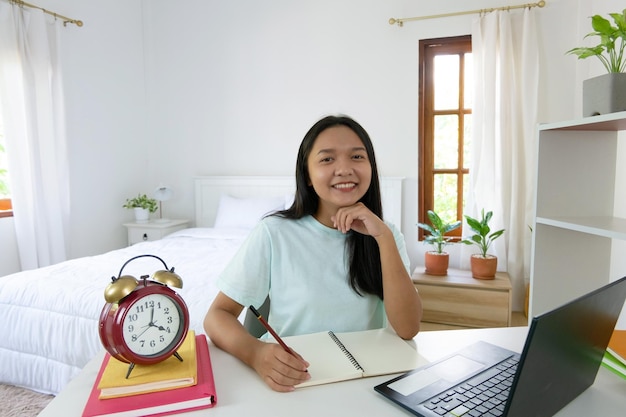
[280, 370]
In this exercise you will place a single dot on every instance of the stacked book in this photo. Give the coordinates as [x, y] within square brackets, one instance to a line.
[615, 355]
[164, 388]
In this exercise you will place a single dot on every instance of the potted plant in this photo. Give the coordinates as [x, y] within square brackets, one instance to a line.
[142, 205]
[436, 261]
[606, 93]
[483, 265]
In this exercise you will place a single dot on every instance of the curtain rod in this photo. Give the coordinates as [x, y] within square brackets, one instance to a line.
[65, 19]
[400, 22]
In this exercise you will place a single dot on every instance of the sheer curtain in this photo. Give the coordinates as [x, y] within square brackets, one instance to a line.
[33, 113]
[506, 70]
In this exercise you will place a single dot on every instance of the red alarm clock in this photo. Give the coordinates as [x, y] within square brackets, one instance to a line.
[144, 321]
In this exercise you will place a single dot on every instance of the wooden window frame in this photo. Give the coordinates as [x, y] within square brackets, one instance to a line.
[426, 115]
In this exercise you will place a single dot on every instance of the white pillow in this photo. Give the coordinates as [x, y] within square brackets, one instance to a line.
[245, 213]
[209, 233]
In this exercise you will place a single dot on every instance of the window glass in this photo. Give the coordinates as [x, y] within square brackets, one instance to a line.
[446, 141]
[446, 196]
[446, 78]
[4, 180]
[5, 193]
[467, 140]
[468, 67]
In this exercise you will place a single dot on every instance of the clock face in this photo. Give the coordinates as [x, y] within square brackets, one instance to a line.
[152, 325]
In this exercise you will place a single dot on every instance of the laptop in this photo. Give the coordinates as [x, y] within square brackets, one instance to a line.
[560, 360]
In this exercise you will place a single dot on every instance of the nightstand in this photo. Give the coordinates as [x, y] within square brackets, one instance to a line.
[458, 299]
[141, 232]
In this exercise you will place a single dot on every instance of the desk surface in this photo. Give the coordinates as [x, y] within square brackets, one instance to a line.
[240, 392]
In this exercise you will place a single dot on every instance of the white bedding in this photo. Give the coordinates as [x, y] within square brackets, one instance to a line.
[49, 316]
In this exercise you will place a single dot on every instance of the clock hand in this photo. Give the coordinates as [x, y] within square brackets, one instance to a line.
[146, 328]
[159, 327]
[151, 324]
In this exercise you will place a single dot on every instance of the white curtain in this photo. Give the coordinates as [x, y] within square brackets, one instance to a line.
[33, 114]
[506, 71]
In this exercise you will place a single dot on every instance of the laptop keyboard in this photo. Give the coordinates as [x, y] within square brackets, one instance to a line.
[483, 395]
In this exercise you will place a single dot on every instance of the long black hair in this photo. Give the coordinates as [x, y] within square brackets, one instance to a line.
[364, 255]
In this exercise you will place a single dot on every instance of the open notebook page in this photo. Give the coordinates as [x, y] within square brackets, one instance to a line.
[381, 352]
[378, 352]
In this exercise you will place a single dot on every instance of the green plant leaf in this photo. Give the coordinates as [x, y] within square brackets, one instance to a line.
[610, 50]
[473, 224]
[496, 235]
[601, 25]
[437, 230]
[482, 237]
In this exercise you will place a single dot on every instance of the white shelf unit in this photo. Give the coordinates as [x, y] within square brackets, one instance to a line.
[576, 227]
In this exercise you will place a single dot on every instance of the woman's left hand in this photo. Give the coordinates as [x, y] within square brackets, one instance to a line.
[360, 219]
[402, 302]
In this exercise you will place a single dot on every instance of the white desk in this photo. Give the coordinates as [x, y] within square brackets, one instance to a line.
[240, 392]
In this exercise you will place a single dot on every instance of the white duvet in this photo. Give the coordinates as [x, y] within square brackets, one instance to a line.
[49, 316]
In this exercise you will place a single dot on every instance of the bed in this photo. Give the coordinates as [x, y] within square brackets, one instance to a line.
[50, 315]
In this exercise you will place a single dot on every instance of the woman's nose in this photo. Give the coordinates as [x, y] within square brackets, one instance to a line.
[343, 168]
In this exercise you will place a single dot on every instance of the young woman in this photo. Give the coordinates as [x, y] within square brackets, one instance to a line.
[329, 262]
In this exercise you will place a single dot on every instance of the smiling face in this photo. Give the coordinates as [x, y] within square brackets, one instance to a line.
[339, 170]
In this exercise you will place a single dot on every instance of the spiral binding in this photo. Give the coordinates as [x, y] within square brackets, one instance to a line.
[345, 351]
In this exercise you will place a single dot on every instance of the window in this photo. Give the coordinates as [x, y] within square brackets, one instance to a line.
[445, 117]
[5, 194]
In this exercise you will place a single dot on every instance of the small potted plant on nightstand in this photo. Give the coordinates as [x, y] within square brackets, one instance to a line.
[436, 261]
[143, 206]
[483, 265]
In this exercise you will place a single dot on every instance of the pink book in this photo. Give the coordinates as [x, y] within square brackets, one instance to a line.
[196, 397]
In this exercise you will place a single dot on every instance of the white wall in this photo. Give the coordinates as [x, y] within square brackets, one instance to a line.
[160, 91]
[106, 111]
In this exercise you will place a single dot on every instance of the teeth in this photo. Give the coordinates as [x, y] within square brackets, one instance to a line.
[344, 185]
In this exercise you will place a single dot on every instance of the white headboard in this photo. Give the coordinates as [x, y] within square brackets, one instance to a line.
[208, 191]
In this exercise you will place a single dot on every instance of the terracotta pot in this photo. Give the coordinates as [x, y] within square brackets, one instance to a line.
[5, 204]
[436, 263]
[483, 268]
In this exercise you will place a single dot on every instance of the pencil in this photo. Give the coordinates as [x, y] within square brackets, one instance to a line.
[269, 329]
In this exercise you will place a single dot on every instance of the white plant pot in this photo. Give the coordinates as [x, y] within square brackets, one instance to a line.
[141, 215]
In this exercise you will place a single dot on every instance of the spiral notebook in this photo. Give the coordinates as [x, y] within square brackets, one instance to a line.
[335, 357]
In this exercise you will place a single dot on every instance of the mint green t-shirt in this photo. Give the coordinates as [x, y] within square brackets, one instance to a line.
[303, 266]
